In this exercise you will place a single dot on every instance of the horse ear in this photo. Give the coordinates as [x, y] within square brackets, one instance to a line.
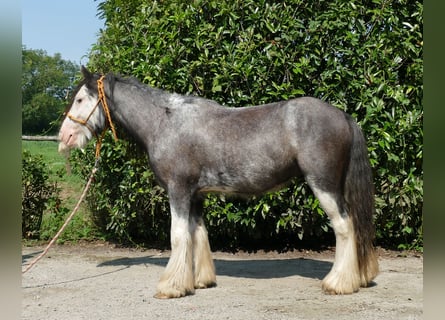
[89, 78]
[86, 74]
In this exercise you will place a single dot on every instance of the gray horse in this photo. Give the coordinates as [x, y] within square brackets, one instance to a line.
[197, 146]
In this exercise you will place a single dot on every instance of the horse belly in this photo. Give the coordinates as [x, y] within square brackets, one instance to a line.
[249, 177]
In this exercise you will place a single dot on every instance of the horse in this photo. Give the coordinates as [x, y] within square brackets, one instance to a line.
[196, 146]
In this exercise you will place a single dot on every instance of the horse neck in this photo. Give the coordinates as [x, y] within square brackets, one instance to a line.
[135, 110]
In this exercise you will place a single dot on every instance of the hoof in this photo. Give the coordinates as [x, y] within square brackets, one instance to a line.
[202, 285]
[173, 293]
[335, 283]
[335, 291]
[160, 295]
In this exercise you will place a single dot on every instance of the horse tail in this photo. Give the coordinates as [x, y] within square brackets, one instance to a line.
[359, 196]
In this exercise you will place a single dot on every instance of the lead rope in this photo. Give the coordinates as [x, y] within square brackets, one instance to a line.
[103, 100]
[54, 239]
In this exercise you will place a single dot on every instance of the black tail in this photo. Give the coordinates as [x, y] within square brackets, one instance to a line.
[359, 196]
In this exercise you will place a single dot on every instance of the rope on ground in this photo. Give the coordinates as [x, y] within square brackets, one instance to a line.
[67, 221]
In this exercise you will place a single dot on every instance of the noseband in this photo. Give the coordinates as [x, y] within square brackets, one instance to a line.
[102, 99]
[84, 122]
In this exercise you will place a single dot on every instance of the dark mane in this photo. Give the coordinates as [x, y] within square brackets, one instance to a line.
[134, 82]
[128, 80]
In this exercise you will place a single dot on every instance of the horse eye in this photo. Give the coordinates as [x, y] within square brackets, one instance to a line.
[79, 100]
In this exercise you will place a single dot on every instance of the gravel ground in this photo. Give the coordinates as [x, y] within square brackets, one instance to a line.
[99, 281]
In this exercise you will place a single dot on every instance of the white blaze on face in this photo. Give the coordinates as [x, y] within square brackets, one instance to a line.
[76, 135]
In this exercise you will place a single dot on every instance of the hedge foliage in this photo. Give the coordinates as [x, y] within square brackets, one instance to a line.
[364, 57]
[38, 194]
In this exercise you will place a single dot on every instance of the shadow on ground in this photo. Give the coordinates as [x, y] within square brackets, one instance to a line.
[30, 256]
[241, 268]
[254, 268]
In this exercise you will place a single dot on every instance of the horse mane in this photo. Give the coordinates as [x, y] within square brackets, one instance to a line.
[90, 81]
[128, 80]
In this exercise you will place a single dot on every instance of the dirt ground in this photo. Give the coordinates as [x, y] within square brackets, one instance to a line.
[99, 281]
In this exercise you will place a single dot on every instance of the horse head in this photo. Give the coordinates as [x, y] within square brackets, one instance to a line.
[83, 119]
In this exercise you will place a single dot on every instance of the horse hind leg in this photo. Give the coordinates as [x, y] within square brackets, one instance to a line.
[344, 277]
[204, 268]
[205, 276]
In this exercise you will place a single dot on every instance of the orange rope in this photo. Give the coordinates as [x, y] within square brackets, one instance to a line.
[99, 144]
[103, 99]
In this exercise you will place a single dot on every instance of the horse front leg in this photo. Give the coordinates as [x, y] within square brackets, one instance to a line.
[204, 268]
[177, 279]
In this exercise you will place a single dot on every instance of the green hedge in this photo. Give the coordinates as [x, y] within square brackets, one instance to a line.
[363, 57]
[38, 194]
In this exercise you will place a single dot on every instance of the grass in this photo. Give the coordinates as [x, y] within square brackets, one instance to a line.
[70, 187]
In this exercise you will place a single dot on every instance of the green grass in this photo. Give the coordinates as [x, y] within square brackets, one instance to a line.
[48, 150]
[71, 187]
[56, 165]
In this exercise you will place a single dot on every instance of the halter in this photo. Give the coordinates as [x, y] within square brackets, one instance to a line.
[84, 122]
[102, 99]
